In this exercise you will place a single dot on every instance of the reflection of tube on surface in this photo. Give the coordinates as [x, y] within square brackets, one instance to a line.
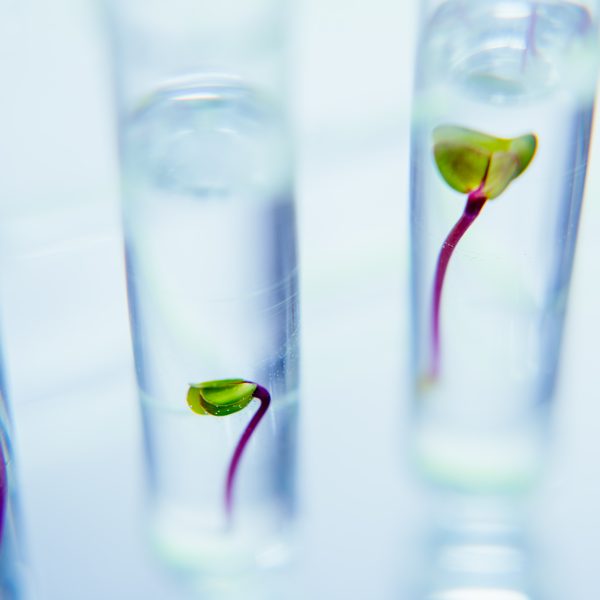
[478, 548]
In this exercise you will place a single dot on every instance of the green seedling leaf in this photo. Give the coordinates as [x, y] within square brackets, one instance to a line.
[461, 166]
[220, 398]
[523, 148]
[503, 169]
[193, 400]
[469, 160]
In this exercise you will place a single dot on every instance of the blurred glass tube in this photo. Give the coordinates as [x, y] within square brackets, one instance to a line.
[10, 557]
[485, 369]
[209, 223]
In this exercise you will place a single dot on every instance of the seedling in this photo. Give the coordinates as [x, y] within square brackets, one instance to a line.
[226, 397]
[481, 166]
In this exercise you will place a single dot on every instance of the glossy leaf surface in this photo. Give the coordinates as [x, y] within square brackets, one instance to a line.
[221, 397]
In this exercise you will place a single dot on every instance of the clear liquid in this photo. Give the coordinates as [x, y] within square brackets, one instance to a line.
[500, 68]
[211, 267]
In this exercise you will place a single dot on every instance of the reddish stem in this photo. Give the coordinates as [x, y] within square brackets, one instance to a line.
[475, 203]
[3, 491]
[263, 395]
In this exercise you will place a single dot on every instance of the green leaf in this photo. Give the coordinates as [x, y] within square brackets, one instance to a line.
[523, 148]
[220, 398]
[469, 160]
[469, 138]
[193, 400]
[502, 170]
[462, 167]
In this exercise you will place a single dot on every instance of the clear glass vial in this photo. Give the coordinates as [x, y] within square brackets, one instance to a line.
[208, 205]
[485, 367]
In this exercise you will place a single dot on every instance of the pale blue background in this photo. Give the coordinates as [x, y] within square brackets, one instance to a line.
[67, 341]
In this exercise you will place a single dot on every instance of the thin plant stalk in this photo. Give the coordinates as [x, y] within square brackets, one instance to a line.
[475, 202]
[479, 165]
[264, 397]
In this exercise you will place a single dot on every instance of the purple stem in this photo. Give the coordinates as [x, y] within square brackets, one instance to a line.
[475, 203]
[263, 395]
[3, 491]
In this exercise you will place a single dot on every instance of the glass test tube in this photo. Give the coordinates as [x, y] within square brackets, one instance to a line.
[208, 207]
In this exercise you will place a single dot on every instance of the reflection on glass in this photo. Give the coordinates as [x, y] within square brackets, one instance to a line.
[479, 549]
